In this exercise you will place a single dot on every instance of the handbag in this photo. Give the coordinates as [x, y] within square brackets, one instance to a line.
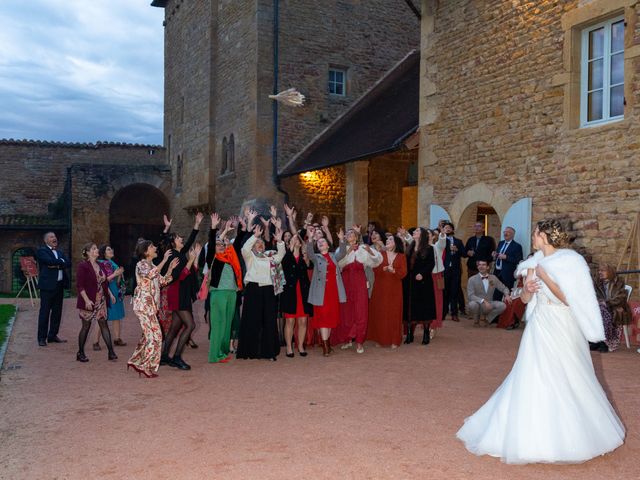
[204, 288]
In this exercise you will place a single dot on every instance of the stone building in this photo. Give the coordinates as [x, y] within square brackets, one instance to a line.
[225, 139]
[531, 110]
[103, 192]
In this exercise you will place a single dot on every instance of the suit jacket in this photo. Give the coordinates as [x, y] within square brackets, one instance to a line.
[49, 266]
[514, 257]
[475, 288]
[319, 279]
[486, 245]
[452, 260]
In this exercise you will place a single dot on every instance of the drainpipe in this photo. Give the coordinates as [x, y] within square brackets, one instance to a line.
[274, 104]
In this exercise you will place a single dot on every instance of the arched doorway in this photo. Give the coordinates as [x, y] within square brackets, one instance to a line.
[479, 212]
[135, 211]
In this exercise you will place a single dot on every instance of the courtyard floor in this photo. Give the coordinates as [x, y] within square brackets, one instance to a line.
[381, 415]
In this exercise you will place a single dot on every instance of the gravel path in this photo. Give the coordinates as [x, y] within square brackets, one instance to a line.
[384, 414]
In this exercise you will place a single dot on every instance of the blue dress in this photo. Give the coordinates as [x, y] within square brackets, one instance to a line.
[115, 311]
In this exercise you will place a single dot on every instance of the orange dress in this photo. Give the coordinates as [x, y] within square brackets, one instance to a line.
[385, 307]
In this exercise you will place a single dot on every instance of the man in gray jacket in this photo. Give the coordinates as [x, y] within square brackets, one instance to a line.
[480, 290]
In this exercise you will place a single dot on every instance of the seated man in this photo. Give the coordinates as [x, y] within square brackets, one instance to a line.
[480, 290]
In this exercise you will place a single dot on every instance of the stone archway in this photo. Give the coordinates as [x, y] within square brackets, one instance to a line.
[135, 211]
[497, 197]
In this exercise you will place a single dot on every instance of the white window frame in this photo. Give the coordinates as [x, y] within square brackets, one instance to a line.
[584, 74]
[334, 82]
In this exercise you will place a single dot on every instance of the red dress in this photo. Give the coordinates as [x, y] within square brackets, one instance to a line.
[300, 313]
[354, 314]
[327, 315]
[385, 310]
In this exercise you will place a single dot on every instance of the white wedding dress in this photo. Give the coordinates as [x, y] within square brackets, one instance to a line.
[551, 407]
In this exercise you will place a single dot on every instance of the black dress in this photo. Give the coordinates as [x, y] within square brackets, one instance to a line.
[295, 272]
[420, 302]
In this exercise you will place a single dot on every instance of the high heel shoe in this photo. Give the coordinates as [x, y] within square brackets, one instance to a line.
[192, 344]
[302, 354]
[81, 357]
[291, 355]
[112, 356]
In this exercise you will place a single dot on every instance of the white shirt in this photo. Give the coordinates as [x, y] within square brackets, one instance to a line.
[505, 245]
[55, 254]
[485, 284]
[259, 268]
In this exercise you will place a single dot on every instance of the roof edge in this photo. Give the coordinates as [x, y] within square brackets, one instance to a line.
[352, 110]
[50, 143]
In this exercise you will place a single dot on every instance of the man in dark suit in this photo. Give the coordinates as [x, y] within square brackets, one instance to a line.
[51, 282]
[507, 257]
[452, 272]
[478, 247]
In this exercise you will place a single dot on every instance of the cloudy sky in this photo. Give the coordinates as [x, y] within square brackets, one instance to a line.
[81, 70]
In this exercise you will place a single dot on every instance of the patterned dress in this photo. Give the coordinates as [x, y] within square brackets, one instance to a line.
[146, 301]
[99, 311]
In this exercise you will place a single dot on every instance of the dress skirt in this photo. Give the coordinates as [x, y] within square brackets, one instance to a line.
[551, 407]
[259, 336]
[327, 315]
[354, 314]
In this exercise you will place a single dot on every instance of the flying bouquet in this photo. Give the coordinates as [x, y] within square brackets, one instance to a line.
[290, 97]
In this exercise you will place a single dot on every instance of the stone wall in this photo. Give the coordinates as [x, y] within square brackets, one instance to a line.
[321, 192]
[219, 73]
[508, 123]
[34, 199]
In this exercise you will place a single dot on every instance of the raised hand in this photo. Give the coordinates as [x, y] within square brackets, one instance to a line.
[356, 228]
[325, 222]
[265, 222]
[309, 218]
[167, 254]
[278, 234]
[340, 235]
[273, 211]
[258, 231]
[199, 217]
[277, 222]
[174, 264]
[167, 223]
[215, 220]
[288, 210]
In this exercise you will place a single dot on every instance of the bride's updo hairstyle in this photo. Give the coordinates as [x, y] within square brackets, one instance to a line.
[556, 236]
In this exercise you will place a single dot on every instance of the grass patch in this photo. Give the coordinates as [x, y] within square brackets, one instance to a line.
[6, 313]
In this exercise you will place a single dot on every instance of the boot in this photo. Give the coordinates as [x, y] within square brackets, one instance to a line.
[409, 338]
[426, 338]
[325, 348]
[179, 363]
[165, 359]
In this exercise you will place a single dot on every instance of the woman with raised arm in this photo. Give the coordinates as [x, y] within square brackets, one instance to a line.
[438, 240]
[225, 281]
[93, 294]
[385, 309]
[263, 281]
[326, 291]
[551, 407]
[293, 300]
[181, 293]
[146, 302]
[354, 314]
[419, 285]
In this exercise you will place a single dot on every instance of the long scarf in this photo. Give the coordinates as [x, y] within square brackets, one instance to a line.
[275, 269]
[231, 257]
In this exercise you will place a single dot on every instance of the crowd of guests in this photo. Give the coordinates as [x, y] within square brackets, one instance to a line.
[258, 273]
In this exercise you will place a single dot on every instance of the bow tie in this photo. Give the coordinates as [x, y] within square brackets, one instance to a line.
[484, 277]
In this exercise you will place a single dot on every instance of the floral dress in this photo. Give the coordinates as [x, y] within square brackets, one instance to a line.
[146, 301]
[99, 311]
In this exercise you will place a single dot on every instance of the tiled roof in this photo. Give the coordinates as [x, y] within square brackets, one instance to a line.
[46, 143]
[31, 221]
[378, 122]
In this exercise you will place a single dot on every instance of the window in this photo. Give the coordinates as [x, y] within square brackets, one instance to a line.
[337, 82]
[231, 154]
[179, 174]
[602, 73]
[224, 156]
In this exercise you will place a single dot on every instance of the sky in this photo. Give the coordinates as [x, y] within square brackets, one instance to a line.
[81, 70]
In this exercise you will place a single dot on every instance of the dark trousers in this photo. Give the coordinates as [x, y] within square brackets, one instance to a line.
[451, 292]
[258, 336]
[50, 312]
[508, 282]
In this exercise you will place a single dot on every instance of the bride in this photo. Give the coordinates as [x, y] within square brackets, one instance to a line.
[550, 408]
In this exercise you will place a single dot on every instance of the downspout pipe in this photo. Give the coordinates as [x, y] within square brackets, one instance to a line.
[274, 104]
